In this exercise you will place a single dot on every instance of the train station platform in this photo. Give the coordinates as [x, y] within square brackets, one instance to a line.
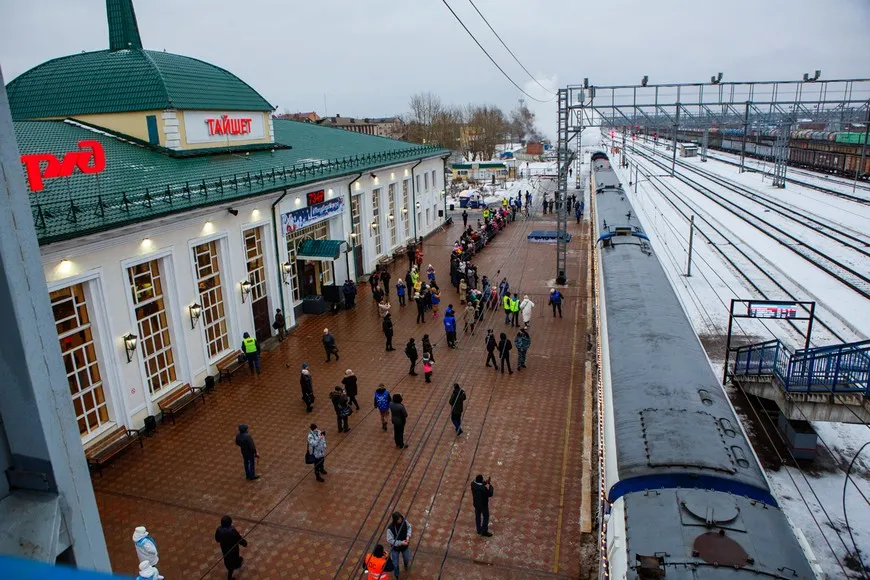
[528, 431]
[830, 383]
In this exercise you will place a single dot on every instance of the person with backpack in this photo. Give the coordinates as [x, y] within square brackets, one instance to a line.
[411, 353]
[457, 406]
[490, 349]
[279, 324]
[342, 408]
[504, 351]
[146, 547]
[399, 539]
[450, 326]
[382, 403]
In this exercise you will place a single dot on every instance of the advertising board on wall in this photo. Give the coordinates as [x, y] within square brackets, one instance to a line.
[292, 221]
[220, 127]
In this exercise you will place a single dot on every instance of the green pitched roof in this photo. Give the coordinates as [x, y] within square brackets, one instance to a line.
[108, 81]
[140, 183]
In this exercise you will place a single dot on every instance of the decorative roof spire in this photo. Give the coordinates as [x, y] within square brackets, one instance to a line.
[123, 30]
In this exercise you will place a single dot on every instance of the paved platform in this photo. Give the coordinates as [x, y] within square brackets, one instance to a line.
[526, 431]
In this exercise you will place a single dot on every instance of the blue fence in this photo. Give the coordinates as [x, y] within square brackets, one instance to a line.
[844, 368]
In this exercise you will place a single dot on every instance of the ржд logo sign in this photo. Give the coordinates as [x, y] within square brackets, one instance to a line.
[89, 159]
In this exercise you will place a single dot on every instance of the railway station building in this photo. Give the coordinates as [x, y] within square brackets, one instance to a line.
[174, 214]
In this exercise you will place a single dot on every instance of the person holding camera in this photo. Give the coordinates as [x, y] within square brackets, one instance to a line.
[317, 448]
[399, 539]
[481, 491]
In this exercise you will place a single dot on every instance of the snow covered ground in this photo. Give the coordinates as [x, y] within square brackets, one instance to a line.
[811, 497]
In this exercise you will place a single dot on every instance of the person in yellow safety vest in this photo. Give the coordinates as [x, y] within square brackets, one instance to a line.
[251, 348]
[506, 302]
[485, 213]
[515, 311]
[504, 202]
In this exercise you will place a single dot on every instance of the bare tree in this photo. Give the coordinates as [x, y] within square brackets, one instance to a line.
[487, 127]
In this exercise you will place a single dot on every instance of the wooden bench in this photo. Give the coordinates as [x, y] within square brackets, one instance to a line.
[178, 399]
[109, 445]
[229, 364]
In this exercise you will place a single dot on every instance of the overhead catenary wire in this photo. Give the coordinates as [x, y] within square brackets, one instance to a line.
[501, 70]
[531, 76]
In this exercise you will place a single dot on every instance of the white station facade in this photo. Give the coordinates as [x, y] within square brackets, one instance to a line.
[173, 221]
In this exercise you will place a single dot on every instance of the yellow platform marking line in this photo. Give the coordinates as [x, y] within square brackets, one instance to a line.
[567, 439]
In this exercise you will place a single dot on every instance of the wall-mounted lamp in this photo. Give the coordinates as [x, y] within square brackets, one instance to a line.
[390, 216]
[195, 313]
[130, 345]
[246, 289]
[404, 210]
[287, 269]
[298, 200]
[374, 224]
[373, 175]
[418, 205]
[233, 211]
[716, 79]
[644, 80]
[815, 77]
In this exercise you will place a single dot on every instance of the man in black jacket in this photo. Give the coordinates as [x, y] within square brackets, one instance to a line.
[490, 349]
[329, 345]
[457, 405]
[399, 416]
[481, 491]
[307, 383]
[387, 325]
[504, 352]
[230, 539]
[249, 452]
[411, 353]
[385, 281]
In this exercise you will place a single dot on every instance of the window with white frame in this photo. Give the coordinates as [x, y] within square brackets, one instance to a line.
[73, 325]
[356, 219]
[254, 257]
[376, 220]
[406, 208]
[418, 183]
[427, 217]
[391, 217]
[426, 181]
[434, 181]
[211, 297]
[155, 343]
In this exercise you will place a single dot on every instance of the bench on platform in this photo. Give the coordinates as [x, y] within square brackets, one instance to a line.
[109, 445]
[229, 364]
[178, 399]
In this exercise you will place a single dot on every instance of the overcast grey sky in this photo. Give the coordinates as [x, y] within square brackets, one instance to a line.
[364, 58]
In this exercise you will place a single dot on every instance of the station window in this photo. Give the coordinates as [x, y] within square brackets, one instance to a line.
[256, 263]
[73, 325]
[318, 231]
[376, 220]
[391, 217]
[418, 183]
[355, 219]
[211, 297]
[426, 181]
[406, 208]
[146, 286]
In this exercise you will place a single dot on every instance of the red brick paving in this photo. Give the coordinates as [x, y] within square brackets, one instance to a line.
[190, 474]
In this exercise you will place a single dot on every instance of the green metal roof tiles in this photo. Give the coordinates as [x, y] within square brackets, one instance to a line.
[139, 183]
[118, 81]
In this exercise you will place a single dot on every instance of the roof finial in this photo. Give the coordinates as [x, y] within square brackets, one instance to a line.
[123, 30]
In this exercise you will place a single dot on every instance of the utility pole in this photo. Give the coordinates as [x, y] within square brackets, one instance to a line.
[860, 167]
[691, 239]
[674, 153]
[745, 130]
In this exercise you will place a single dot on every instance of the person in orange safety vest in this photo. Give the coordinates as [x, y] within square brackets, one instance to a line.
[376, 564]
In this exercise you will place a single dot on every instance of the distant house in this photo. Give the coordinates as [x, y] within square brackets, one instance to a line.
[310, 117]
[381, 126]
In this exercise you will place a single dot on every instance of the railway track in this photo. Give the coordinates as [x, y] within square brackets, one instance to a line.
[845, 274]
[848, 237]
[758, 277]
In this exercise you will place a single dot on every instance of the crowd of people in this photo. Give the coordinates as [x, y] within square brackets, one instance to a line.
[479, 295]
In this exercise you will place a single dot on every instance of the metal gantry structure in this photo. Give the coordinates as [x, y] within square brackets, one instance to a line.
[564, 158]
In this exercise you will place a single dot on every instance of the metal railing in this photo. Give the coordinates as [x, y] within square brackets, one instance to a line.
[843, 368]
